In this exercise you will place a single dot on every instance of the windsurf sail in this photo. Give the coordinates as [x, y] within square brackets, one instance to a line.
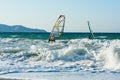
[58, 28]
[91, 36]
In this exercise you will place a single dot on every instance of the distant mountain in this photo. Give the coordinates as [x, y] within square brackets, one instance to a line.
[18, 28]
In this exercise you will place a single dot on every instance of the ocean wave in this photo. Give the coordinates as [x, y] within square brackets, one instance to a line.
[29, 55]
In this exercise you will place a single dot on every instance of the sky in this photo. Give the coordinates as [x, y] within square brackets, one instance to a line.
[104, 15]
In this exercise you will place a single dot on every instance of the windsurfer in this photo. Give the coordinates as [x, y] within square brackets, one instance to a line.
[51, 39]
[57, 29]
[90, 36]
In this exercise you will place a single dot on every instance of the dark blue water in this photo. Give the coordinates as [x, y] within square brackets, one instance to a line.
[44, 36]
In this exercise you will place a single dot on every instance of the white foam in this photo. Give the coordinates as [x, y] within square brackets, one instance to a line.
[24, 55]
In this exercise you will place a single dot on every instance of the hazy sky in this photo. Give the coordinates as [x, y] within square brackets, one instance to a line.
[104, 15]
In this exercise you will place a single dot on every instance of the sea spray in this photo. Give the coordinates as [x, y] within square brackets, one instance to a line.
[112, 60]
[25, 55]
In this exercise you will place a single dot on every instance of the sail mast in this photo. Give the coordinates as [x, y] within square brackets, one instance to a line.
[91, 36]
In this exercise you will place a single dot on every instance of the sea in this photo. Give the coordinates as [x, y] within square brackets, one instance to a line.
[73, 54]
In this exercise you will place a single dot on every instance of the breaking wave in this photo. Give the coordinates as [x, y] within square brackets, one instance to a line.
[30, 55]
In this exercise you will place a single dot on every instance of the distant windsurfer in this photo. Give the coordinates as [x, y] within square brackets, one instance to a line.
[91, 36]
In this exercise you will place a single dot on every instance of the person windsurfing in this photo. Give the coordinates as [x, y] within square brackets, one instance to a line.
[91, 36]
[51, 39]
[57, 29]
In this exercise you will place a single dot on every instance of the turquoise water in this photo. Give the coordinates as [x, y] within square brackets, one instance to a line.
[45, 36]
